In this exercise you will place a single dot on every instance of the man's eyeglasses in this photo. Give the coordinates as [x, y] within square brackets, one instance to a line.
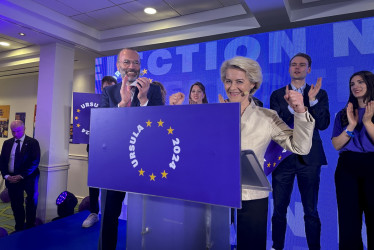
[128, 62]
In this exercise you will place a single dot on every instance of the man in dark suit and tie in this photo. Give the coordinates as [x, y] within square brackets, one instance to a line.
[307, 168]
[132, 92]
[19, 163]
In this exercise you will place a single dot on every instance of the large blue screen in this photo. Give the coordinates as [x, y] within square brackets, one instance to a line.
[337, 50]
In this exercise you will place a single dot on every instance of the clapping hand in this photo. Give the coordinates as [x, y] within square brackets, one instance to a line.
[369, 112]
[125, 93]
[143, 85]
[295, 100]
[352, 116]
[315, 89]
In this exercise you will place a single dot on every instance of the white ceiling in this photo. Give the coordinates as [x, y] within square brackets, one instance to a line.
[102, 27]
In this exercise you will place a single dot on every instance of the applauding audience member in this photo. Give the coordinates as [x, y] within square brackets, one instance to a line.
[353, 136]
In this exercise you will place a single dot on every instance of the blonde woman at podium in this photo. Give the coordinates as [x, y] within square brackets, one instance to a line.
[241, 77]
[197, 95]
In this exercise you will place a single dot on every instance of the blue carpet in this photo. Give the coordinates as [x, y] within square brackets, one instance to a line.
[66, 233]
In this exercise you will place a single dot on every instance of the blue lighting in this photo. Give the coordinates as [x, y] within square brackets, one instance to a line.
[61, 198]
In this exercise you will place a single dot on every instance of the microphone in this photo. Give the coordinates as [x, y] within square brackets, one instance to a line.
[133, 83]
[245, 93]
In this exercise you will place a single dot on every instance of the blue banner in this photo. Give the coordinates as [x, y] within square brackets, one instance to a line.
[188, 152]
[82, 105]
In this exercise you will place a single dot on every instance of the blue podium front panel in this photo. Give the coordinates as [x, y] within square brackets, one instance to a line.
[187, 152]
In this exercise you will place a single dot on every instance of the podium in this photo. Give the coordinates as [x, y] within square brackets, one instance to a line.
[163, 223]
[182, 173]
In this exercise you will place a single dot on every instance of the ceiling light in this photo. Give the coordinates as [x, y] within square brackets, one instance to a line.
[22, 34]
[4, 44]
[150, 11]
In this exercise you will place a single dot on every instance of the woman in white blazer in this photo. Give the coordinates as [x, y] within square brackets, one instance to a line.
[241, 77]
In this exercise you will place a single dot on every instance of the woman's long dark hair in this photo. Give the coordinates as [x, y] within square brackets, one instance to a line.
[202, 87]
[368, 78]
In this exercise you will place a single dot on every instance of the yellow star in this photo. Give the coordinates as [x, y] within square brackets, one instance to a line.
[76, 118]
[274, 164]
[152, 177]
[78, 110]
[170, 130]
[268, 165]
[149, 123]
[144, 71]
[164, 174]
[78, 125]
[279, 158]
[160, 123]
[141, 172]
[150, 80]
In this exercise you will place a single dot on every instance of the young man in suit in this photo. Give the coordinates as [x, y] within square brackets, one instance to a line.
[132, 92]
[19, 161]
[307, 168]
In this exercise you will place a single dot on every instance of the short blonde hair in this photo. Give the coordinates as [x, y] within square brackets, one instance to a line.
[251, 68]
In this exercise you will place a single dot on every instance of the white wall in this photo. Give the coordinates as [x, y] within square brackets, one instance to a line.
[20, 92]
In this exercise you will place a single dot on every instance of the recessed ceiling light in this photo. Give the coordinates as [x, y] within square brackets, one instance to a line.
[150, 11]
[22, 34]
[4, 44]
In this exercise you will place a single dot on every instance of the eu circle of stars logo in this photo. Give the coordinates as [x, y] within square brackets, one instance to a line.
[167, 132]
[84, 111]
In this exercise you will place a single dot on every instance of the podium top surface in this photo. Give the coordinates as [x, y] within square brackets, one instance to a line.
[188, 152]
[253, 176]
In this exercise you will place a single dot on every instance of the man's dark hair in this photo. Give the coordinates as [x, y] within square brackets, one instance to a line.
[108, 79]
[307, 57]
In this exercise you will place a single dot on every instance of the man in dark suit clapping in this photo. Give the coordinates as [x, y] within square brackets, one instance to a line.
[19, 161]
[134, 91]
[307, 168]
